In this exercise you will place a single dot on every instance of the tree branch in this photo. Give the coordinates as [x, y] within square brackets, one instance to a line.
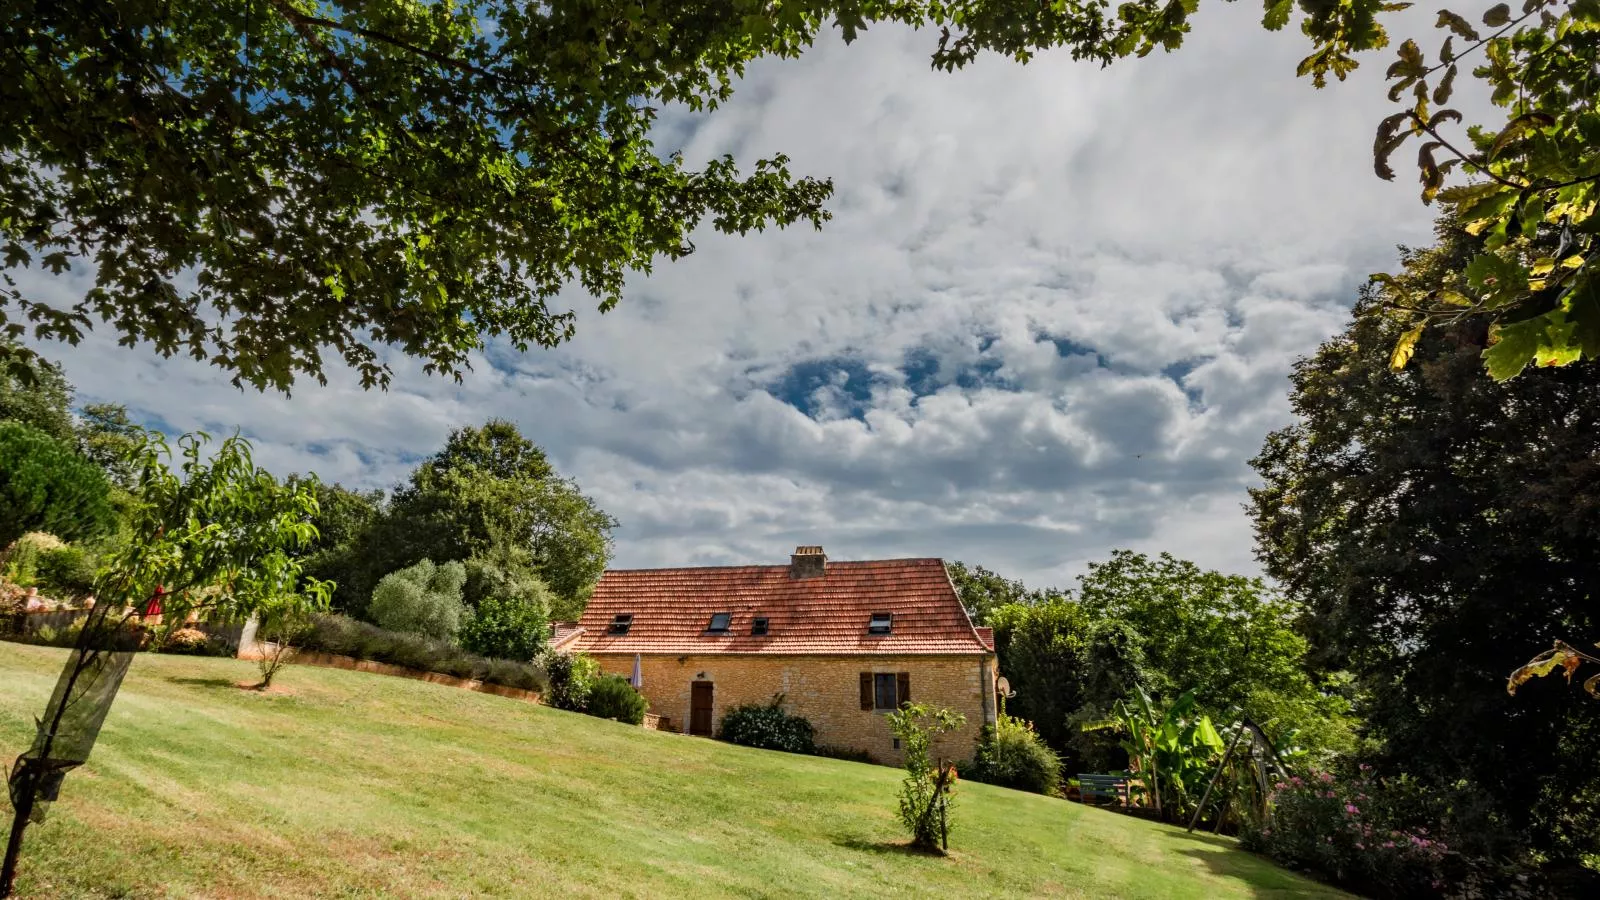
[1426, 126]
[302, 20]
[1481, 41]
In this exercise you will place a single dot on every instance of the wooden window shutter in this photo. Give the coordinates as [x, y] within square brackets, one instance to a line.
[866, 690]
[903, 688]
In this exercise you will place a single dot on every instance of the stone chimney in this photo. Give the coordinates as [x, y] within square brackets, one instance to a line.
[808, 562]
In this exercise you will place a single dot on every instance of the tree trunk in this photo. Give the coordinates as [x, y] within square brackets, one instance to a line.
[8, 874]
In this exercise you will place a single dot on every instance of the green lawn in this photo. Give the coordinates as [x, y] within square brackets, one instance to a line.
[356, 785]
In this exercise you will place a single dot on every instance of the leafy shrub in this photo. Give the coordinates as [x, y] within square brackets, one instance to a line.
[191, 641]
[19, 562]
[925, 792]
[767, 727]
[612, 697]
[1011, 754]
[344, 636]
[421, 599]
[1366, 834]
[66, 572]
[572, 675]
[512, 618]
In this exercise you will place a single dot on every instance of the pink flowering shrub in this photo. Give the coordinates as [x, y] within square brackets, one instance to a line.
[1354, 832]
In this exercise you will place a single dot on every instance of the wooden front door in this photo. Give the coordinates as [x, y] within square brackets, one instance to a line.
[700, 709]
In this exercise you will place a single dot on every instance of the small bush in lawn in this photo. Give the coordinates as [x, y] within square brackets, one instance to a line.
[191, 641]
[925, 792]
[767, 727]
[1011, 754]
[420, 599]
[571, 675]
[612, 697]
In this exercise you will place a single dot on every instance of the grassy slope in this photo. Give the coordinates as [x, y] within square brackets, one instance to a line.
[354, 785]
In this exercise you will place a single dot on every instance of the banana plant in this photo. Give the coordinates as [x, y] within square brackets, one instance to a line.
[1171, 749]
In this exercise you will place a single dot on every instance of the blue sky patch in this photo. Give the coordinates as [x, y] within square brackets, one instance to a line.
[806, 386]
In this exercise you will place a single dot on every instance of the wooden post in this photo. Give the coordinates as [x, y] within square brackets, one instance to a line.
[943, 793]
[1214, 776]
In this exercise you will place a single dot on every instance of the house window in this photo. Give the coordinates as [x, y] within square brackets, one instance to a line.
[621, 623]
[759, 626]
[719, 623]
[880, 623]
[883, 691]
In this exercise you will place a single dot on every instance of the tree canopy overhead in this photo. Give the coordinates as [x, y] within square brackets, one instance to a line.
[271, 184]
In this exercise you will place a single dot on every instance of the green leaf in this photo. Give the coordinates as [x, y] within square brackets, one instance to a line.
[1490, 271]
[1277, 14]
[1517, 127]
[1466, 192]
[1582, 303]
[1513, 348]
[1497, 15]
[1490, 206]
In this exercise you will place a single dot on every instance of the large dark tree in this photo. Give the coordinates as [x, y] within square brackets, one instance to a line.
[1440, 529]
[490, 495]
[45, 486]
[266, 183]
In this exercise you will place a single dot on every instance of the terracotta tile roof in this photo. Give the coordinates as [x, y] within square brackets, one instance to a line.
[987, 636]
[562, 632]
[671, 609]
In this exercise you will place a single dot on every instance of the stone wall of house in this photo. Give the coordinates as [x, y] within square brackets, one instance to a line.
[824, 689]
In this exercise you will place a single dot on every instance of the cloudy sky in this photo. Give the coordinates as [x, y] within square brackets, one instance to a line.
[1053, 316]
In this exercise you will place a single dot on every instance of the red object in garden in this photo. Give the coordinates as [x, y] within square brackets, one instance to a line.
[153, 608]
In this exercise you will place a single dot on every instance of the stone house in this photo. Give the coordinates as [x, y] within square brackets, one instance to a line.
[843, 642]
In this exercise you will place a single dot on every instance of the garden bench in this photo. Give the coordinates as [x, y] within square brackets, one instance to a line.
[1103, 787]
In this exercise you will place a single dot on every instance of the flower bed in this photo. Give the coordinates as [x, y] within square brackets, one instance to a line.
[1368, 834]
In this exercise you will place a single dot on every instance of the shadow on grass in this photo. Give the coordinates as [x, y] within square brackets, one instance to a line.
[1225, 858]
[1206, 837]
[204, 682]
[882, 848]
